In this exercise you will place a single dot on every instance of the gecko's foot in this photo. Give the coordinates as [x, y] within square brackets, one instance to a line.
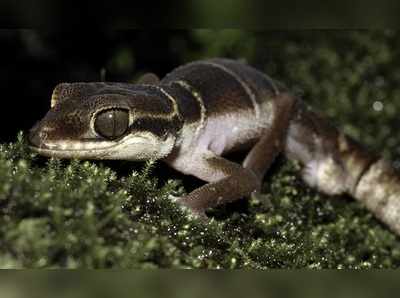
[196, 214]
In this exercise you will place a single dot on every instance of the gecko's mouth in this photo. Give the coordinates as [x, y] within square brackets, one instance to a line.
[83, 145]
[40, 142]
[75, 149]
[91, 148]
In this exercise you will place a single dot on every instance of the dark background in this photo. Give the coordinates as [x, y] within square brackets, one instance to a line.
[34, 61]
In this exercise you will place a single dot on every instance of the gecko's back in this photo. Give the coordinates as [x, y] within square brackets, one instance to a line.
[225, 85]
[225, 100]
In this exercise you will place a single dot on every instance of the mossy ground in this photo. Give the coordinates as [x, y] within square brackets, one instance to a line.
[115, 214]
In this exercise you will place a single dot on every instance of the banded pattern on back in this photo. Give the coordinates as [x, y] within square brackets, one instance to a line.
[220, 91]
[189, 105]
[259, 83]
[245, 86]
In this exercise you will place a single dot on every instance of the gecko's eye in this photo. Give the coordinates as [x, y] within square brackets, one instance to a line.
[112, 123]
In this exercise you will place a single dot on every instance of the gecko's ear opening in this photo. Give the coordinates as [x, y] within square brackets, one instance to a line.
[148, 79]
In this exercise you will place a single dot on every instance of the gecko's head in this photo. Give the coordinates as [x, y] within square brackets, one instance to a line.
[107, 121]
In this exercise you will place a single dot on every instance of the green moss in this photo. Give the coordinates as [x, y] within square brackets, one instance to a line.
[90, 214]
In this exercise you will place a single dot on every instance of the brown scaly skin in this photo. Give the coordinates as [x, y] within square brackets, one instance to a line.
[203, 110]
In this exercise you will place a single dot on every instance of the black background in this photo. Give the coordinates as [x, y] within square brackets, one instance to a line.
[34, 61]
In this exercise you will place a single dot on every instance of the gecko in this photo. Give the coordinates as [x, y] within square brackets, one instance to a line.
[197, 114]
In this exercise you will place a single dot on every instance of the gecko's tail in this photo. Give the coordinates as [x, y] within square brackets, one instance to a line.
[379, 190]
[336, 164]
[371, 180]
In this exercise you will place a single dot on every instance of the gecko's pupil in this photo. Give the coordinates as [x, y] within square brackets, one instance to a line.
[112, 123]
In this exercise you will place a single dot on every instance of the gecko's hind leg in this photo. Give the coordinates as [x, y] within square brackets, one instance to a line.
[261, 156]
[230, 181]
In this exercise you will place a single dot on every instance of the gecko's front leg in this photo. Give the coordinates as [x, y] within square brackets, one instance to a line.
[229, 181]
